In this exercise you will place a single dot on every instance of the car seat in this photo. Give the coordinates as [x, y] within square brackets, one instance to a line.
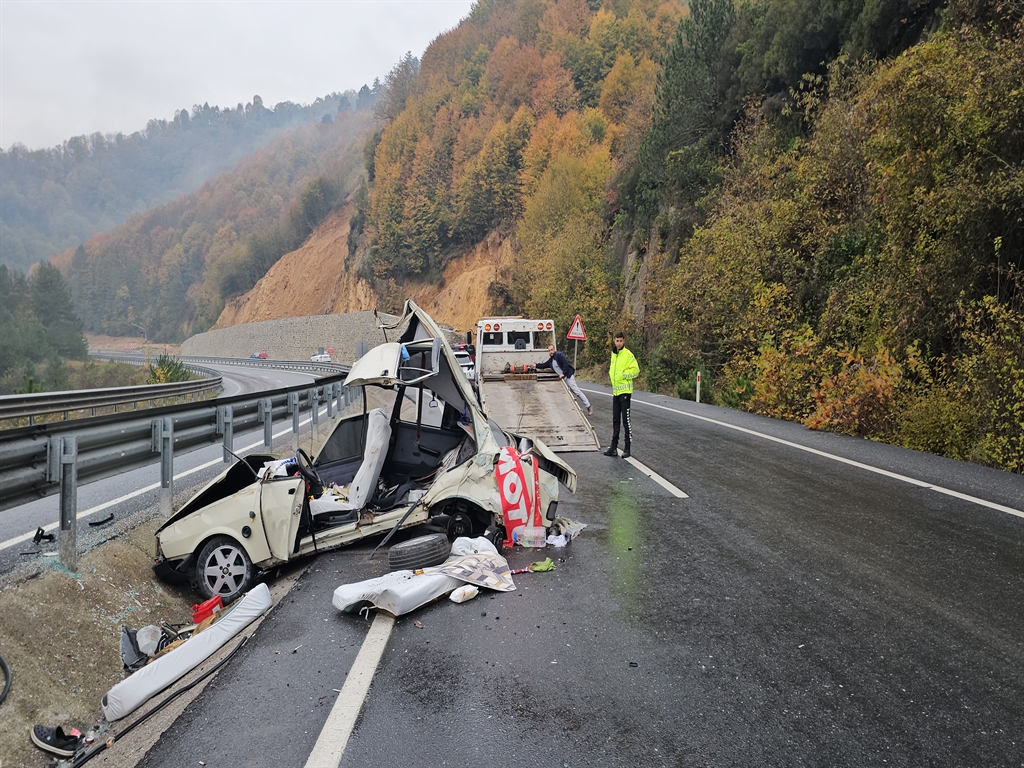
[360, 490]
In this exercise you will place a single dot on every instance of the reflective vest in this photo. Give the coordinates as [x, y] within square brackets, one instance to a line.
[622, 371]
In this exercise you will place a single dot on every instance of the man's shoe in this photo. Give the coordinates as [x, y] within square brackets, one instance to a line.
[625, 454]
[55, 740]
[611, 452]
[590, 410]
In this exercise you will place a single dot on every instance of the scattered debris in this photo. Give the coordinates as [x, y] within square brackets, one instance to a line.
[464, 593]
[128, 695]
[475, 561]
[41, 535]
[563, 531]
[547, 564]
[104, 521]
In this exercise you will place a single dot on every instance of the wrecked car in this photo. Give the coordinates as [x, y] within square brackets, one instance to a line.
[427, 454]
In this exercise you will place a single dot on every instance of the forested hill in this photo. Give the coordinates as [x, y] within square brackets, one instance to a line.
[818, 205]
[52, 199]
[170, 269]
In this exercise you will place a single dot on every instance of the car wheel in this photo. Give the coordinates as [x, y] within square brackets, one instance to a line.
[421, 552]
[224, 568]
[459, 524]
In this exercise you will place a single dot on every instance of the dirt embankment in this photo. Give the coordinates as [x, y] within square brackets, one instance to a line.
[60, 632]
[316, 279]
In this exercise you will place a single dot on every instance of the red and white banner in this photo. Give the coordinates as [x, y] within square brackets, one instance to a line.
[518, 504]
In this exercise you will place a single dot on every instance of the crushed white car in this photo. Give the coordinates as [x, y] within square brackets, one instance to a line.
[429, 455]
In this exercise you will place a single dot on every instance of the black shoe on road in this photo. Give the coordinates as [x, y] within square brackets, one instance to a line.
[625, 454]
[611, 452]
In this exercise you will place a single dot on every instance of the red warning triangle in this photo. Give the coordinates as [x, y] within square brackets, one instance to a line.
[576, 330]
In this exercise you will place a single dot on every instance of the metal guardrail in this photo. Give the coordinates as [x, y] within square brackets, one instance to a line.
[114, 443]
[40, 403]
[251, 362]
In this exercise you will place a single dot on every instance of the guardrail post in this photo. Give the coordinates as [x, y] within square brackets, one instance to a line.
[225, 427]
[293, 409]
[314, 404]
[163, 443]
[69, 502]
[329, 397]
[265, 415]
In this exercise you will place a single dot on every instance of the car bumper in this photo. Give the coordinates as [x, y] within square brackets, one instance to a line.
[173, 572]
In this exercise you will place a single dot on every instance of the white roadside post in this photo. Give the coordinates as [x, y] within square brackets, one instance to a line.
[698, 386]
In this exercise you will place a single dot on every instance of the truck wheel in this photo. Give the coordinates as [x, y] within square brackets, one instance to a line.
[421, 552]
[224, 568]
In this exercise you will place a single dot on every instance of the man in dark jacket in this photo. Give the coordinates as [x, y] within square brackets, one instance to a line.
[560, 364]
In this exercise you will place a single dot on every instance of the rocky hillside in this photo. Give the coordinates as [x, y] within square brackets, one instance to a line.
[318, 279]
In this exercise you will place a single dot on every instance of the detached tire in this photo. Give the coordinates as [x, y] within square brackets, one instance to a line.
[496, 535]
[421, 552]
[224, 568]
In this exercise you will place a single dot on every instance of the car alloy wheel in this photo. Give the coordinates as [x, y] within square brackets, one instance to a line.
[223, 568]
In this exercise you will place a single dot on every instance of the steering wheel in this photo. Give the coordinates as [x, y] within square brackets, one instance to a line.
[310, 474]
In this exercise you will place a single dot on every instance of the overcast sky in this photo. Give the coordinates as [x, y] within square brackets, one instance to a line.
[73, 67]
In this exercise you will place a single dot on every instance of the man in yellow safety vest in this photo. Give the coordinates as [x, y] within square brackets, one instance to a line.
[622, 371]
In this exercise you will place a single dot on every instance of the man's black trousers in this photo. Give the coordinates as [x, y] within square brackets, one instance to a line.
[620, 414]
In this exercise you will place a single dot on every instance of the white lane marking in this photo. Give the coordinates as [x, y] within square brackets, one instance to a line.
[851, 462]
[140, 491]
[333, 739]
[657, 478]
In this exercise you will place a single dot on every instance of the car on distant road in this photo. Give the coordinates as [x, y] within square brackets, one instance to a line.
[465, 363]
[428, 455]
[254, 356]
[262, 355]
[321, 357]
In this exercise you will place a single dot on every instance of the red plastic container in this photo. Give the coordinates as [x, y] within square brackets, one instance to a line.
[205, 610]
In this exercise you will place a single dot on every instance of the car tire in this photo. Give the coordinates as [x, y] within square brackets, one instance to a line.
[223, 568]
[421, 552]
[496, 535]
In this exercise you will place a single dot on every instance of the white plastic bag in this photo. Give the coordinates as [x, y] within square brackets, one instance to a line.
[464, 593]
[148, 639]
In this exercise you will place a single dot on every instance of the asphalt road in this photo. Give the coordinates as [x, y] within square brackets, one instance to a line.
[137, 489]
[815, 600]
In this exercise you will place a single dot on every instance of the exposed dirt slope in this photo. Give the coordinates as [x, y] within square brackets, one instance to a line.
[313, 280]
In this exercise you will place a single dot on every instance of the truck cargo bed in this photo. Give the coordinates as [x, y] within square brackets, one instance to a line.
[539, 407]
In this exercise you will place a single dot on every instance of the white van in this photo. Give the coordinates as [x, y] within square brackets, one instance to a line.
[321, 358]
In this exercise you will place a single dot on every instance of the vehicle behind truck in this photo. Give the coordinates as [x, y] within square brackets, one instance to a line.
[520, 398]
